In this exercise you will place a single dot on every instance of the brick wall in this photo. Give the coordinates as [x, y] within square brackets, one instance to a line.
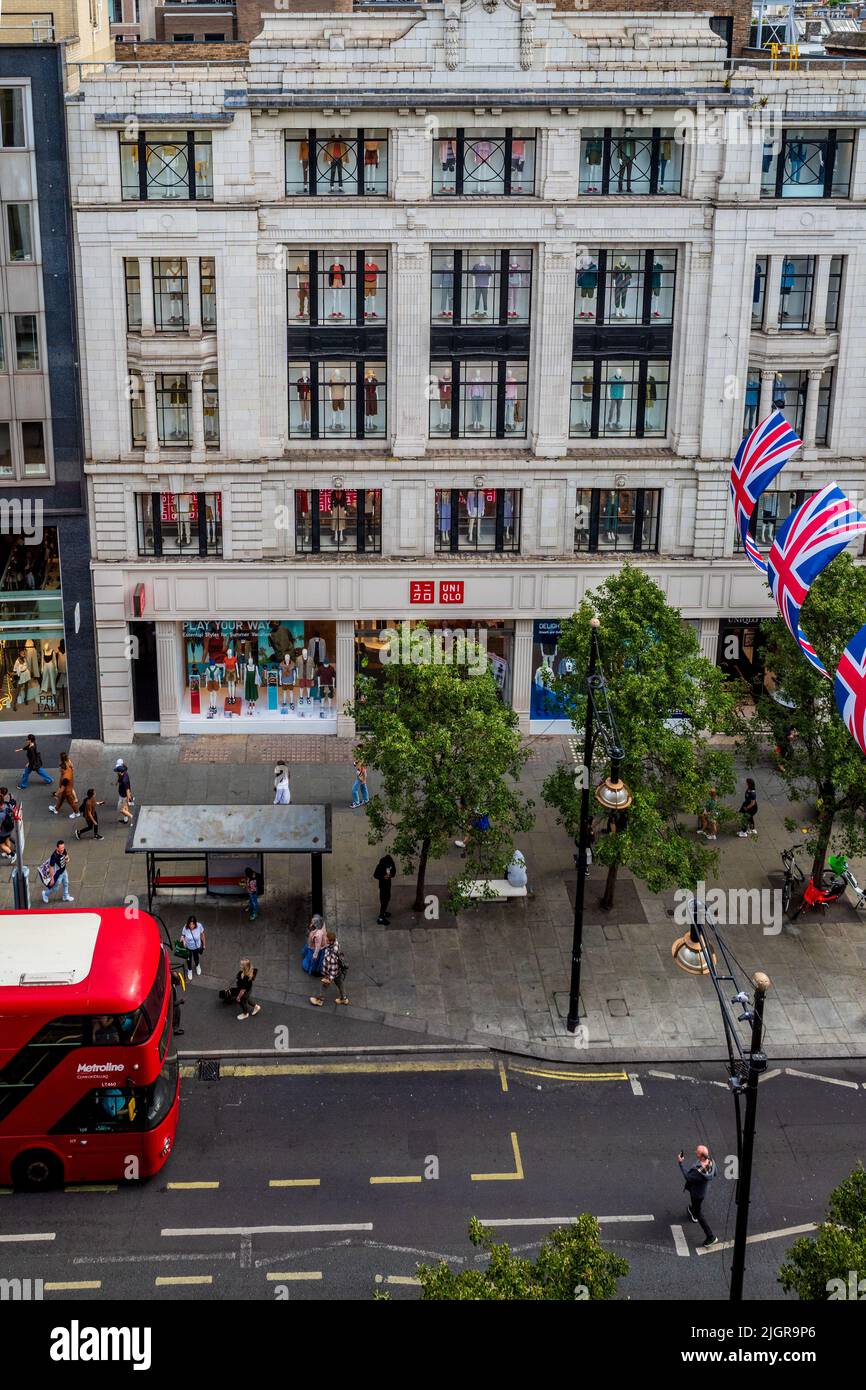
[164, 52]
[249, 12]
[167, 25]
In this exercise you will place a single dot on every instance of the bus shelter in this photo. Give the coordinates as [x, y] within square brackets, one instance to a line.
[209, 847]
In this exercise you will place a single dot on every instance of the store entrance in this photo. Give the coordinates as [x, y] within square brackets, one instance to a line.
[741, 652]
[145, 687]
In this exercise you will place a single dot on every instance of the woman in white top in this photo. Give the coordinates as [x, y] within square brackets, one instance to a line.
[282, 790]
[193, 939]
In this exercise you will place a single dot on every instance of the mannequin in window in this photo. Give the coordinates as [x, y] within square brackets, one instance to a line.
[656, 287]
[307, 673]
[182, 503]
[786, 285]
[797, 158]
[508, 512]
[337, 393]
[48, 686]
[252, 681]
[475, 513]
[517, 280]
[302, 516]
[317, 648]
[756, 288]
[443, 517]
[302, 386]
[587, 283]
[627, 151]
[510, 401]
[178, 402]
[665, 151]
[446, 292]
[230, 667]
[610, 516]
[371, 288]
[287, 679]
[302, 289]
[174, 285]
[371, 164]
[337, 288]
[21, 672]
[476, 401]
[62, 677]
[304, 157]
[481, 151]
[779, 393]
[327, 681]
[651, 399]
[33, 661]
[753, 398]
[210, 523]
[371, 400]
[369, 516]
[336, 152]
[586, 384]
[518, 161]
[481, 274]
[581, 526]
[448, 161]
[212, 680]
[622, 278]
[338, 514]
[615, 392]
[768, 518]
[593, 151]
[445, 390]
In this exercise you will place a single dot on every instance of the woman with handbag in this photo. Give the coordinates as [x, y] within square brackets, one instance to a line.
[245, 980]
[334, 971]
[192, 937]
[317, 941]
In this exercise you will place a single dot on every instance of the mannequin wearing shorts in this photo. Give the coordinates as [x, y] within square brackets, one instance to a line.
[286, 678]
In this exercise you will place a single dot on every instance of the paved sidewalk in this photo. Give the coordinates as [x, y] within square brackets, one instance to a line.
[497, 975]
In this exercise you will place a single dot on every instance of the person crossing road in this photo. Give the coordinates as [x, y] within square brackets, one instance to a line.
[698, 1177]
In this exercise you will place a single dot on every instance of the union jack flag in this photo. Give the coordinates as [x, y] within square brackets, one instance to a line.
[850, 687]
[805, 543]
[759, 458]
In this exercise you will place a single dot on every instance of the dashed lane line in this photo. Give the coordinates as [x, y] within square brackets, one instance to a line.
[295, 1182]
[636, 1087]
[192, 1186]
[681, 1245]
[516, 1176]
[695, 1080]
[169, 1280]
[178, 1231]
[398, 1279]
[831, 1080]
[761, 1236]
[92, 1187]
[71, 1285]
[410, 1177]
[503, 1076]
[555, 1220]
[296, 1275]
[35, 1235]
[355, 1068]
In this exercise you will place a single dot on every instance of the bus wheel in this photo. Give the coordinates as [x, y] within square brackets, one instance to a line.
[37, 1171]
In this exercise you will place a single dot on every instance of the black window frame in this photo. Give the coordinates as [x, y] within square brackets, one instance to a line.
[805, 280]
[756, 519]
[644, 361]
[791, 135]
[141, 142]
[506, 137]
[609, 135]
[500, 274]
[361, 544]
[161, 293]
[459, 367]
[835, 281]
[317, 269]
[501, 545]
[314, 139]
[314, 365]
[640, 511]
[132, 284]
[206, 549]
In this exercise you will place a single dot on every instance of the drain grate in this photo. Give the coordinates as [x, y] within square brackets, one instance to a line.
[209, 1069]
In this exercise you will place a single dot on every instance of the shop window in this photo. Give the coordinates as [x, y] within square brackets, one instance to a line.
[3, 366]
[338, 519]
[752, 400]
[481, 286]
[834, 292]
[615, 397]
[772, 508]
[133, 295]
[7, 467]
[478, 162]
[211, 409]
[337, 399]
[179, 523]
[207, 276]
[26, 343]
[630, 162]
[795, 292]
[472, 519]
[20, 231]
[348, 162]
[822, 421]
[170, 296]
[625, 287]
[808, 163]
[172, 409]
[33, 670]
[338, 287]
[12, 131]
[617, 519]
[759, 291]
[33, 449]
[261, 669]
[472, 399]
[166, 165]
[138, 420]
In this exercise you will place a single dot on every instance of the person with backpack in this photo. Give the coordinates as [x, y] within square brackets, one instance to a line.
[334, 971]
[749, 810]
[245, 979]
[698, 1177]
[34, 763]
[125, 798]
[384, 873]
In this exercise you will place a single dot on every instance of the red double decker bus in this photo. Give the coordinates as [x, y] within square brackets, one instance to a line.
[88, 1070]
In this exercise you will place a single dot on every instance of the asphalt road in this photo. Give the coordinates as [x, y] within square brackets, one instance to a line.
[521, 1144]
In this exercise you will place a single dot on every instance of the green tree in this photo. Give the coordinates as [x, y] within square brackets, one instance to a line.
[571, 1264]
[823, 764]
[837, 1248]
[446, 748]
[654, 670]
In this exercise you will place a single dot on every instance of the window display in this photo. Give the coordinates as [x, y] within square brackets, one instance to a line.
[33, 666]
[495, 636]
[260, 670]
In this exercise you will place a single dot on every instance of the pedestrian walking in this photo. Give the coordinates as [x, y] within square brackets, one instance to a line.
[251, 883]
[125, 799]
[360, 790]
[384, 872]
[55, 873]
[66, 790]
[245, 980]
[282, 790]
[91, 820]
[334, 971]
[749, 810]
[317, 940]
[709, 818]
[698, 1175]
[34, 763]
[8, 805]
[192, 937]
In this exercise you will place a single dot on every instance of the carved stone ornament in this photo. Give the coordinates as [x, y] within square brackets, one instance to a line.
[527, 34]
[490, 5]
[452, 35]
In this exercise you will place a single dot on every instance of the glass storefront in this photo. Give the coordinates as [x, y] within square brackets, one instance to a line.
[279, 668]
[495, 636]
[34, 684]
[545, 707]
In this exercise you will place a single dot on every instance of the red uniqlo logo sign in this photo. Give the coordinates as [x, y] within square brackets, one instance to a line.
[421, 590]
[451, 591]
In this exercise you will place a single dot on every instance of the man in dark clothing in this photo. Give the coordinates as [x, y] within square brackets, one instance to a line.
[384, 872]
[697, 1176]
[34, 763]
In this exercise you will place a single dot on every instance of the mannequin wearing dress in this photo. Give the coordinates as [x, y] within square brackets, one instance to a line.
[252, 681]
[337, 287]
[302, 386]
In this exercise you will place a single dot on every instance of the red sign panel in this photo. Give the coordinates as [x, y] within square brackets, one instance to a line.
[421, 590]
[451, 591]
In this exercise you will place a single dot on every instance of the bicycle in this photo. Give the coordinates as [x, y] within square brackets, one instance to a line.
[833, 885]
[839, 865]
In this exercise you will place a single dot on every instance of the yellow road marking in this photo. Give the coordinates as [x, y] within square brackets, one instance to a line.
[502, 1076]
[295, 1182]
[191, 1186]
[163, 1279]
[91, 1187]
[295, 1274]
[573, 1076]
[188, 1072]
[516, 1176]
[401, 1279]
[72, 1284]
[351, 1068]
[412, 1178]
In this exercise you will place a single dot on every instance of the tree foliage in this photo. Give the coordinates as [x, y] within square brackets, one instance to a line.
[837, 1248]
[654, 670]
[571, 1264]
[447, 748]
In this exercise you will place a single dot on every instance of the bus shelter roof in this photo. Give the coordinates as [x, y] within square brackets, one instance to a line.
[230, 829]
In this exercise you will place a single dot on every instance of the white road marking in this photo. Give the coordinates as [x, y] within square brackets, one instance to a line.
[767, 1075]
[636, 1087]
[246, 1253]
[680, 1243]
[695, 1080]
[150, 1259]
[163, 1280]
[37, 1235]
[831, 1080]
[259, 1230]
[397, 1279]
[69, 1284]
[552, 1220]
[299, 1274]
[764, 1235]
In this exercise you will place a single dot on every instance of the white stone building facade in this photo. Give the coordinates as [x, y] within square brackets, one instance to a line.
[239, 293]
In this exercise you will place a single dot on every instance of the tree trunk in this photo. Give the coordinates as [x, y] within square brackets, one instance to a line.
[418, 905]
[825, 830]
[607, 898]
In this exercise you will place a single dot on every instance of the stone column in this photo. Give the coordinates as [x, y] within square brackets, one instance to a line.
[709, 638]
[407, 389]
[765, 401]
[820, 286]
[521, 675]
[559, 157]
[145, 284]
[550, 382]
[196, 410]
[345, 676]
[687, 392]
[810, 414]
[151, 437]
[273, 370]
[193, 283]
[166, 676]
[772, 293]
[411, 161]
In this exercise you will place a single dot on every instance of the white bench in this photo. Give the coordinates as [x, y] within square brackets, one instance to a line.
[494, 890]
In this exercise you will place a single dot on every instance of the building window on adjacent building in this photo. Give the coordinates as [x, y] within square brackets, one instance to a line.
[808, 163]
[759, 291]
[478, 162]
[138, 420]
[12, 129]
[795, 292]
[338, 287]
[619, 397]
[7, 466]
[472, 399]
[625, 287]
[478, 519]
[179, 523]
[771, 510]
[115, 11]
[211, 408]
[26, 343]
[170, 296]
[22, 449]
[3, 366]
[338, 519]
[169, 164]
[132, 277]
[630, 162]
[480, 286]
[617, 519]
[20, 231]
[834, 293]
[172, 409]
[788, 393]
[337, 399]
[207, 274]
[353, 162]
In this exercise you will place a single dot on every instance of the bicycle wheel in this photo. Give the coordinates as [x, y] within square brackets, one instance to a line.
[787, 894]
